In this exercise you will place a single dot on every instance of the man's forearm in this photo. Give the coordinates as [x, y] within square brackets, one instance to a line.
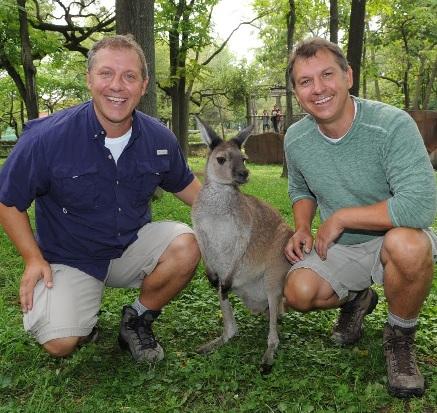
[304, 211]
[17, 226]
[370, 217]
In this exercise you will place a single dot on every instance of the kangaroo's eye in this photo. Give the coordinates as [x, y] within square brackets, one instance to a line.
[221, 160]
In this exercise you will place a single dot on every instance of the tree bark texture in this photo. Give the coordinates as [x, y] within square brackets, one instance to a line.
[428, 90]
[355, 45]
[178, 43]
[137, 18]
[30, 93]
[291, 24]
[333, 21]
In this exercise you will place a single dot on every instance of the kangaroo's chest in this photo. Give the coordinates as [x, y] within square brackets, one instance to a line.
[220, 235]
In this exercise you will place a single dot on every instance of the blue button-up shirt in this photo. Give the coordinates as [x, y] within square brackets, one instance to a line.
[88, 208]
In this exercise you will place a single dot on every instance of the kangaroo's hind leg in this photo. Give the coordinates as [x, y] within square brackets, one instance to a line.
[230, 328]
[273, 338]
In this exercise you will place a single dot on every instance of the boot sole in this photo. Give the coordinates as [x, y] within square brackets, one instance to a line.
[405, 393]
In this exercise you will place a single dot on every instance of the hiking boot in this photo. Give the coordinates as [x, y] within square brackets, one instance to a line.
[90, 338]
[349, 326]
[404, 378]
[137, 337]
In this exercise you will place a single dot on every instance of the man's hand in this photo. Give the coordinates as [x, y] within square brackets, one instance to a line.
[328, 232]
[35, 270]
[301, 242]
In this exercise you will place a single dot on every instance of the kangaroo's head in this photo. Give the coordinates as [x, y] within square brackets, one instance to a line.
[226, 162]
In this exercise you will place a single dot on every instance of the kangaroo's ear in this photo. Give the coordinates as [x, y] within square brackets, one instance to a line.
[207, 134]
[242, 137]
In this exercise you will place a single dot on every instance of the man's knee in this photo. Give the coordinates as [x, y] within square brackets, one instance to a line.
[406, 246]
[61, 347]
[184, 248]
[300, 291]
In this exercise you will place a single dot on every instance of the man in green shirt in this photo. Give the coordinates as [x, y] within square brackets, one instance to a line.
[364, 165]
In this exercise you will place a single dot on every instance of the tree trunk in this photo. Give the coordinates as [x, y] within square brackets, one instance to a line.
[405, 86]
[428, 90]
[137, 17]
[364, 88]
[355, 45]
[31, 97]
[291, 23]
[179, 93]
[419, 81]
[333, 21]
[376, 81]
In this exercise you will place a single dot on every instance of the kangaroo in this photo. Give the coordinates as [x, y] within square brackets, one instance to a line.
[241, 239]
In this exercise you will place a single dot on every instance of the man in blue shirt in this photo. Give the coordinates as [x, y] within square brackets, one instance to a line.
[92, 170]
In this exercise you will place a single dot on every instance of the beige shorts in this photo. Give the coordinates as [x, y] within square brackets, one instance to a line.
[353, 267]
[70, 307]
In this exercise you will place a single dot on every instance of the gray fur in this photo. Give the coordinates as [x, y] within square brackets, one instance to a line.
[241, 238]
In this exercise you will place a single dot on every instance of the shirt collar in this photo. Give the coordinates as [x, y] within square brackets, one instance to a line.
[95, 128]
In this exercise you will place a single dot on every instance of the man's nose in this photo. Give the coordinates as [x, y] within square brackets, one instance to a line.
[318, 85]
[116, 82]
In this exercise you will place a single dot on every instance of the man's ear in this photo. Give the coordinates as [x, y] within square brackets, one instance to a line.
[350, 78]
[144, 86]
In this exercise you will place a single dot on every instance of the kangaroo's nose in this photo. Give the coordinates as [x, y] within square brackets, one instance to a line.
[243, 173]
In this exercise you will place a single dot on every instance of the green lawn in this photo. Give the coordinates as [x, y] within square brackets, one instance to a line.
[310, 374]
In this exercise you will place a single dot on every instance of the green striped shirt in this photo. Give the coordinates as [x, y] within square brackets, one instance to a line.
[382, 157]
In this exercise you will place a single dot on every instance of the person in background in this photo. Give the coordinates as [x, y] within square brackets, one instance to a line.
[92, 170]
[266, 121]
[274, 118]
[280, 120]
[365, 166]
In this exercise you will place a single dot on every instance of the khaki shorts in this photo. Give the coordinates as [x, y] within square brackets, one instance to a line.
[353, 267]
[70, 307]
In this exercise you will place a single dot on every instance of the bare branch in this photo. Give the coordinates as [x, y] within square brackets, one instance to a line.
[396, 82]
[225, 42]
[73, 33]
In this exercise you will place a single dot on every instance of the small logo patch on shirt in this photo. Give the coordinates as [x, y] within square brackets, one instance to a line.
[162, 152]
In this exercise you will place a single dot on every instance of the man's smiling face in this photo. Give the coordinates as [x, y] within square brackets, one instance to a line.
[321, 86]
[116, 84]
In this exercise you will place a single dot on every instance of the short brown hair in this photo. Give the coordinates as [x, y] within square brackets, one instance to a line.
[309, 47]
[119, 41]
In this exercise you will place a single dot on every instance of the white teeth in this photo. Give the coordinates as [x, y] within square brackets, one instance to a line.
[115, 99]
[323, 100]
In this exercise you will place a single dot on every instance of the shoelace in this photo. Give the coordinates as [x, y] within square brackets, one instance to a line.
[347, 318]
[143, 330]
[402, 354]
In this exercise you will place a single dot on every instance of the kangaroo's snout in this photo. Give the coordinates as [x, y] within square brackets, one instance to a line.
[242, 175]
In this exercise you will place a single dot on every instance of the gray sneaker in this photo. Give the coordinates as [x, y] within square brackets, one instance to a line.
[137, 337]
[349, 326]
[404, 377]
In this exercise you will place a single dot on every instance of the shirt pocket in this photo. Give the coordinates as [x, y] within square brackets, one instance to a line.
[148, 176]
[76, 187]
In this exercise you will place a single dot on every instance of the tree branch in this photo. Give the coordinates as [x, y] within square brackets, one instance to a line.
[225, 42]
[396, 82]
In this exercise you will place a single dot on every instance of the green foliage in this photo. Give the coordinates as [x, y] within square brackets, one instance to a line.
[310, 373]
[403, 35]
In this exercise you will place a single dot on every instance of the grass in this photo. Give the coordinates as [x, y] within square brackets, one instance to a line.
[310, 374]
